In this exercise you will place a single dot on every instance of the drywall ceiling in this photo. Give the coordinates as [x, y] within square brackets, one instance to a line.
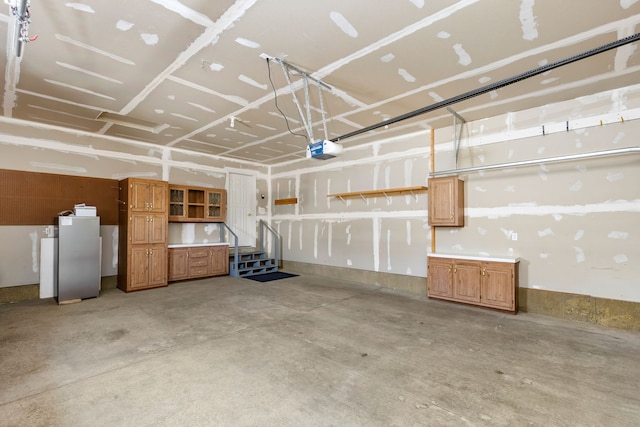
[195, 66]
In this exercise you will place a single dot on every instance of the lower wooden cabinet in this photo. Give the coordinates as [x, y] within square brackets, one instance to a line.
[147, 267]
[198, 261]
[178, 264]
[482, 281]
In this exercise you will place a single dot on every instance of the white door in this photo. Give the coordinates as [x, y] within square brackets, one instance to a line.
[241, 208]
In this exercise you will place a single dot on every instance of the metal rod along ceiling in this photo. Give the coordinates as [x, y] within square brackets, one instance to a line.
[493, 86]
[581, 156]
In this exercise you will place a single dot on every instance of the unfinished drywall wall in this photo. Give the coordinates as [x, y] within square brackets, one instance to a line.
[375, 234]
[575, 222]
[20, 248]
[40, 148]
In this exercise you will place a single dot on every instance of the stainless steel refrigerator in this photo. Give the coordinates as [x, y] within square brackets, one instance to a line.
[79, 261]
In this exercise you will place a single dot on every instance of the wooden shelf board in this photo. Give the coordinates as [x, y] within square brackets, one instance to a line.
[381, 193]
[291, 201]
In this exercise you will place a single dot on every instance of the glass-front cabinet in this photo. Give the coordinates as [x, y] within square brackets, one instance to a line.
[176, 203]
[216, 205]
[196, 204]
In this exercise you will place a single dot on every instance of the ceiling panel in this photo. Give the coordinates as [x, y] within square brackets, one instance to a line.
[195, 65]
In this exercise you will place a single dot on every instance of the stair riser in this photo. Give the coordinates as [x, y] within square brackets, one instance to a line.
[251, 264]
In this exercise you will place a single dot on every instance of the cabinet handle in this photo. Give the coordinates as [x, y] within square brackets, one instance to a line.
[150, 219]
[455, 270]
[150, 251]
[484, 271]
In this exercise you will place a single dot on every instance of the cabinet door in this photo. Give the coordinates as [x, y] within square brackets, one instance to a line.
[446, 201]
[218, 260]
[178, 263]
[157, 265]
[138, 267]
[138, 196]
[157, 197]
[216, 204]
[177, 203]
[440, 277]
[498, 289]
[466, 281]
[139, 229]
[157, 229]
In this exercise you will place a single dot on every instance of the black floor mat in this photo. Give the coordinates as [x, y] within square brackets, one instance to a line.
[268, 277]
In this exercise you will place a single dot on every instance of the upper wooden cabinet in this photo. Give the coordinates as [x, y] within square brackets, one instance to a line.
[147, 196]
[446, 201]
[197, 204]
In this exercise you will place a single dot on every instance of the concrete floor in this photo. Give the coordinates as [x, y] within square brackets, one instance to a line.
[306, 351]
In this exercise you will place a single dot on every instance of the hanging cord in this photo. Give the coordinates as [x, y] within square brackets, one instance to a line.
[275, 97]
[285, 71]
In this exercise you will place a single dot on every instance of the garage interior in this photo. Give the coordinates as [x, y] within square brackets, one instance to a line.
[533, 115]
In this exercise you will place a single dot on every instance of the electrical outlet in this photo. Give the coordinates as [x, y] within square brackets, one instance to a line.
[514, 236]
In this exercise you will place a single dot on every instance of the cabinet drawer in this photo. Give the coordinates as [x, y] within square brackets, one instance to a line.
[198, 262]
[198, 252]
[198, 271]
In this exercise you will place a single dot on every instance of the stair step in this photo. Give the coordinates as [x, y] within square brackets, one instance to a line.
[251, 262]
[255, 263]
[255, 271]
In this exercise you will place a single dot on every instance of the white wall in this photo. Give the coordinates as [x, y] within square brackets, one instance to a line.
[39, 148]
[577, 222]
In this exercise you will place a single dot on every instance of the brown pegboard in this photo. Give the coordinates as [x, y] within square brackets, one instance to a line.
[32, 198]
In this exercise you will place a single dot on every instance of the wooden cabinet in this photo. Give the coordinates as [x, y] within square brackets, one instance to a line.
[446, 201]
[178, 264]
[148, 267]
[440, 277]
[197, 204]
[198, 261]
[177, 203]
[147, 195]
[218, 260]
[216, 205]
[143, 227]
[484, 282]
[499, 285]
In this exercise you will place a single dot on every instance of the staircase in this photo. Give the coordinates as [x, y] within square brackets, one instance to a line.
[245, 262]
[251, 261]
